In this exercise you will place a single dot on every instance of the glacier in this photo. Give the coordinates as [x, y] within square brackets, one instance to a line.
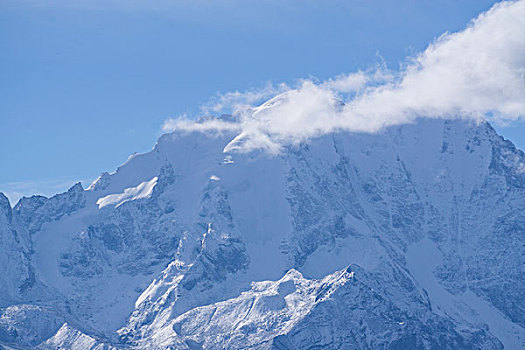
[411, 237]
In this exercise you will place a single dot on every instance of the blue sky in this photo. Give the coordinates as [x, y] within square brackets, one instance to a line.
[87, 83]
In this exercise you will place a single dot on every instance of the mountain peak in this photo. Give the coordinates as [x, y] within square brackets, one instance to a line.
[191, 239]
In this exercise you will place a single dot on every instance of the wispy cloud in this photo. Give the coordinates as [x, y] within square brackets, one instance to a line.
[236, 102]
[476, 73]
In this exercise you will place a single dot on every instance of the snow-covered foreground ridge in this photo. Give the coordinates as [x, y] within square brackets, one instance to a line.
[409, 238]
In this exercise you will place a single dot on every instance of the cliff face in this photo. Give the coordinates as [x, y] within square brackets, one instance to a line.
[410, 238]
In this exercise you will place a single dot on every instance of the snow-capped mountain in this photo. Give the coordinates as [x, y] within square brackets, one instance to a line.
[408, 238]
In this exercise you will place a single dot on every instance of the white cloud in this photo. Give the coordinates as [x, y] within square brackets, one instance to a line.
[476, 73]
[215, 125]
[347, 83]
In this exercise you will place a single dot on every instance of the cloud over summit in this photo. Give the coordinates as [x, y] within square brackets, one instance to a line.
[476, 73]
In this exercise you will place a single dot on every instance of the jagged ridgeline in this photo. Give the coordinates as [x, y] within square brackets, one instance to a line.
[409, 238]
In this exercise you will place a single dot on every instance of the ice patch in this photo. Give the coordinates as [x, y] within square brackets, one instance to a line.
[422, 259]
[143, 190]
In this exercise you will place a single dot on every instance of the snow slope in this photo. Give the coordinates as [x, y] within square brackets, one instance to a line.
[409, 238]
